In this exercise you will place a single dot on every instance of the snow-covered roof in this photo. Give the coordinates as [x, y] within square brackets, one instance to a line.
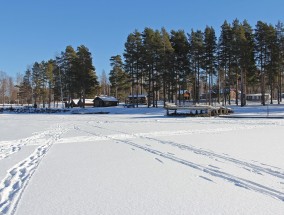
[108, 98]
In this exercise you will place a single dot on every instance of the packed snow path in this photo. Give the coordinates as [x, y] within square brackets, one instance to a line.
[243, 156]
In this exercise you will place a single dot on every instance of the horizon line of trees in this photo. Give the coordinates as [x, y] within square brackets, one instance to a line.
[162, 64]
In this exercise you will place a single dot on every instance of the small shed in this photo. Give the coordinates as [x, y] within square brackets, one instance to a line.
[105, 101]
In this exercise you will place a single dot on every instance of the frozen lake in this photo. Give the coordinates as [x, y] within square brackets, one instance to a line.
[138, 161]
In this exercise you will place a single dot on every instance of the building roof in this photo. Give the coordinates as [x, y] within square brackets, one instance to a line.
[107, 98]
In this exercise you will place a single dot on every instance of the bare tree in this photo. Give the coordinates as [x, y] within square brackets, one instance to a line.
[104, 84]
[3, 87]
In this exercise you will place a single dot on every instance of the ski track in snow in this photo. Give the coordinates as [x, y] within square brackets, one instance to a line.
[123, 135]
[270, 171]
[17, 178]
[242, 182]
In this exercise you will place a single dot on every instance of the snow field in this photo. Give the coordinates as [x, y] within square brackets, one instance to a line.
[141, 163]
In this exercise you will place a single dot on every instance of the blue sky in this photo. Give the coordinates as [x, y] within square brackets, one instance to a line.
[36, 30]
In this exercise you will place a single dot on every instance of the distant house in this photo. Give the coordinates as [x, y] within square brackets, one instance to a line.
[140, 99]
[105, 101]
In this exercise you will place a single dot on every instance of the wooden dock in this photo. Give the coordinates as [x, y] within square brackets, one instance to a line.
[196, 110]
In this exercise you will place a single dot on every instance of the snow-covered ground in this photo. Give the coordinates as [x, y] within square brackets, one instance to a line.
[139, 161]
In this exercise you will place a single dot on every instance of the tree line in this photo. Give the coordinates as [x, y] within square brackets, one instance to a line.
[70, 75]
[163, 64]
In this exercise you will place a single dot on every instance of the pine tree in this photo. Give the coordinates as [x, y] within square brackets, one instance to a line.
[133, 61]
[44, 83]
[273, 59]
[166, 63]
[149, 52]
[263, 51]
[225, 59]
[66, 83]
[181, 48]
[50, 79]
[247, 59]
[158, 48]
[196, 56]
[85, 74]
[36, 82]
[280, 44]
[237, 43]
[25, 88]
[70, 82]
[118, 78]
[210, 58]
